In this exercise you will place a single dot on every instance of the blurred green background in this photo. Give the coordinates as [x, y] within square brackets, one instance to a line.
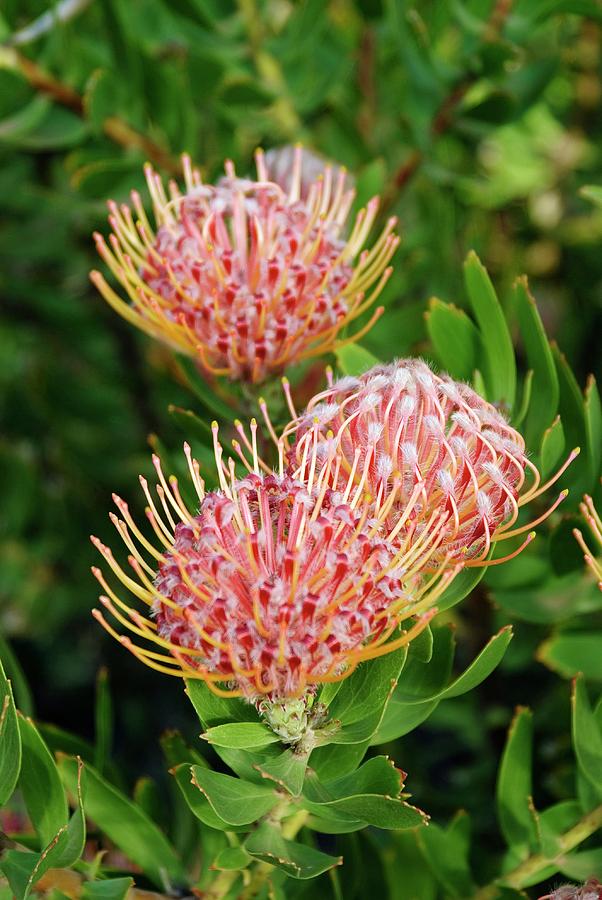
[477, 121]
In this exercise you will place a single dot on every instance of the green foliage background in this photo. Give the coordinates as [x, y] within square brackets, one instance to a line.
[477, 122]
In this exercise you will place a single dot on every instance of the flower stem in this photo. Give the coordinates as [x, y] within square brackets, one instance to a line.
[521, 876]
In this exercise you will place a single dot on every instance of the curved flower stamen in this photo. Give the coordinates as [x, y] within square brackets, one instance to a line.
[244, 276]
[591, 516]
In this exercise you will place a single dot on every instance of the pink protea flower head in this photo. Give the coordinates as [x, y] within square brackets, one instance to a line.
[275, 584]
[243, 276]
[443, 464]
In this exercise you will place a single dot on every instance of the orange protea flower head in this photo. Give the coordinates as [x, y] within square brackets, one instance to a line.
[276, 584]
[442, 462]
[243, 276]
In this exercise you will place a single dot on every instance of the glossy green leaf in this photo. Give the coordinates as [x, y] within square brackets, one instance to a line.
[401, 718]
[554, 822]
[297, 860]
[572, 413]
[235, 801]
[497, 363]
[551, 599]
[67, 845]
[423, 680]
[243, 735]
[14, 129]
[580, 865]
[196, 800]
[545, 390]
[592, 192]
[553, 445]
[126, 825]
[23, 870]
[371, 809]
[361, 701]
[514, 788]
[103, 719]
[10, 741]
[446, 851]
[455, 338]
[355, 360]
[377, 775]
[213, 710]
[41, 785]
[404, 869]
[569, 653]
[481, 667]
[587, 736]
[593, 428]
[287, 770]
[525, 400]
[232, 858]
[462, 585]
[108, 889]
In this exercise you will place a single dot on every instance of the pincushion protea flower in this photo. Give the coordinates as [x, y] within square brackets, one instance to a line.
[435, 459]
[275, 585]
[242, 276]
[590, 514]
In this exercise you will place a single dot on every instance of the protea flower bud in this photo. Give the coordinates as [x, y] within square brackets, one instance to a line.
[243, 276]
[276, 584]
[439, 463]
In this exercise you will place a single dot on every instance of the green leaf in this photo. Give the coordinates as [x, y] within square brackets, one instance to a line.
[10, 741]
[297, 860]
[355, 360]
[401, 718]
[446, 851]
[461, 586]
[67, 846]
[41, 785]
[213, 710]
[497, 364]
[552, 447]
[592, 192]
[481, 667]
[370, 796]
[569, 653]
[287, 770]
[191, 424]
[377, 775]
[103, 719]
[521, 411]
[235, 801]
[371, 809]
[16, 127]
[361, 701]
[554, 822]
[572, 413]
[455, 338]
[197, 801]
[514, 804]
[421, 681]
[23, 870]
[580, 865]
[593, 427]
[21, 689]
[231, 859]
[126, 825]
[205, 393]
[545, 387]
[587, 736]
[242, 735]
[107, 889]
